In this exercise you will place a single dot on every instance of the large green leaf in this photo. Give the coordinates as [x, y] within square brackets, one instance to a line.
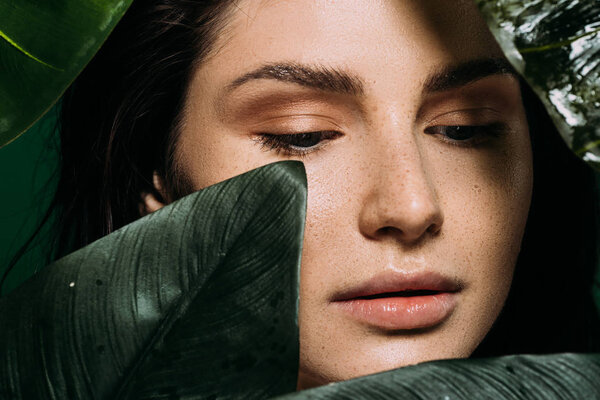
[44, 45]
[198, 299]
[551, 377]
[555, 45]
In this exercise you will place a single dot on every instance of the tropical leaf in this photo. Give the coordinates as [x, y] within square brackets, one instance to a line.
[197, 299]
[44, 45]
[555, 45]
[550, 377]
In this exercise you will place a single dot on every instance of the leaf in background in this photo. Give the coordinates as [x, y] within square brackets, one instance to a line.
[197, 299]
[44, 45]
[550, 377]
[555, 45]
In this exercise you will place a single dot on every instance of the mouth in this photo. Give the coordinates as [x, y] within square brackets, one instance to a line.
[395, 301]
[404, 293]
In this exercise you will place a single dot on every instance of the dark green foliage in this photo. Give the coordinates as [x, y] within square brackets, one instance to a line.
[555, 45]
[552, 377]
[27, 181]
[199, 298]
[44, 45]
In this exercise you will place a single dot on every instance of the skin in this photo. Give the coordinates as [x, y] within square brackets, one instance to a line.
[385, 193]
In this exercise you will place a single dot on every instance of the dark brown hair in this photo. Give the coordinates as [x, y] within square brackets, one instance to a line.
[119, 119]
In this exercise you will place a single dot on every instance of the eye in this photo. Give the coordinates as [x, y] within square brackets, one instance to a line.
[296, 144]
[465, 135]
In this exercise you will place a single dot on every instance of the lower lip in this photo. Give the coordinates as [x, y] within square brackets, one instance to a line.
[401, 313]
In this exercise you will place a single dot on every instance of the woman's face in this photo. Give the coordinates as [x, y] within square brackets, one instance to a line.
[413, 225]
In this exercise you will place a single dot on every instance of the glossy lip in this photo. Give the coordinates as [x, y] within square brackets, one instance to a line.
[379, 301]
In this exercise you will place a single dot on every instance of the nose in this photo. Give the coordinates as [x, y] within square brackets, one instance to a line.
[401, 201]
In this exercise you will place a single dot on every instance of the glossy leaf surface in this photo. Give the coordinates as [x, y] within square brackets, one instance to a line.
[555, 45]
[524, 377]
[197, 299]
[44, 45]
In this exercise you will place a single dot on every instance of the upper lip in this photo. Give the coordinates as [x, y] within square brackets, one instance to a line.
[393, 282]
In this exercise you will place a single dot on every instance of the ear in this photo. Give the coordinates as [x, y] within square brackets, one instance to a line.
[149, 203]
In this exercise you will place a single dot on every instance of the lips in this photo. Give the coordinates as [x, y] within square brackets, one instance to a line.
[400, 301]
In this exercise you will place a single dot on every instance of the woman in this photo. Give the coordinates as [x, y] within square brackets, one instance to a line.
[417, 143]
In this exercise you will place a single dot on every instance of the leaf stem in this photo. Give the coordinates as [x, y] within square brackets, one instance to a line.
[22, 50]
[556, 45]
[587, 147]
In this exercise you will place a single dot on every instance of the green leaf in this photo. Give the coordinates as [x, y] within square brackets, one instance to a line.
[44, 45]
[197, 299]
[549, 377]
[555, 45]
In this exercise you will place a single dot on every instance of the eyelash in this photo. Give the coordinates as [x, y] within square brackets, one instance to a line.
[478, 133]
[284, 143]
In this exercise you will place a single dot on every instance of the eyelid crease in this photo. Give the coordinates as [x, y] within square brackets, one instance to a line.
[256, 111]
[472, 111]
[295, 117]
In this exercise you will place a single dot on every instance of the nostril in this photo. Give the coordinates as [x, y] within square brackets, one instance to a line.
[388, 230]
[434, 229]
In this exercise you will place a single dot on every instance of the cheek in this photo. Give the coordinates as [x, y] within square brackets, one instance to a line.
[210, 156]
[330, 222]
[486, 203]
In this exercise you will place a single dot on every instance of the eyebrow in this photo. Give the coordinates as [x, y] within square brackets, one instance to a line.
[455, 76]
[315, 77]
[338, 81]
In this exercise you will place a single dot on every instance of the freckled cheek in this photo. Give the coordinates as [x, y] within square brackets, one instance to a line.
[485, 216]
[320, 229]
[330, 225]
[486, 206]
[214, 155]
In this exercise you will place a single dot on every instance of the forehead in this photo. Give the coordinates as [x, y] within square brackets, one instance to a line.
[400, 34]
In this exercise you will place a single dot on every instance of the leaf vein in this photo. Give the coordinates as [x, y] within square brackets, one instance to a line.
[28, 54]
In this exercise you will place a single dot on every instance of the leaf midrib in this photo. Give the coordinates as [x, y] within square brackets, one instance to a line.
[14, 44]
[177, 311]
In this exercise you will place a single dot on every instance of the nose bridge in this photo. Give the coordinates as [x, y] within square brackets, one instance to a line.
[402, 198]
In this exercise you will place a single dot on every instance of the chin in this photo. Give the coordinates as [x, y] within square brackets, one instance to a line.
[353, 357]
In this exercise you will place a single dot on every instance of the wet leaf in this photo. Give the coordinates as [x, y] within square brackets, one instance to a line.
[549, 377]
[555, 45]
[44, 45]
[198, 299]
